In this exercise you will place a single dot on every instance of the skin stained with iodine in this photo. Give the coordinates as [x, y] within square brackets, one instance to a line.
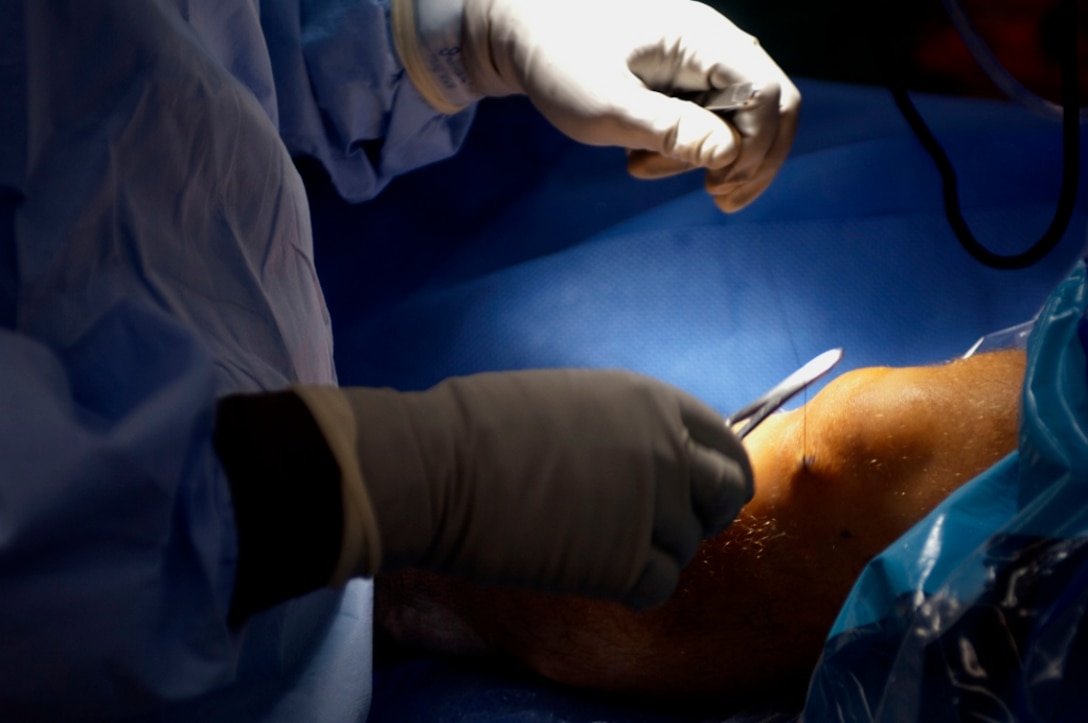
[836, 482]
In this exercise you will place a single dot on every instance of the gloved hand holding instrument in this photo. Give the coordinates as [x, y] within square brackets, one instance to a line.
[593, 482]
[631, 73]
[601, 483]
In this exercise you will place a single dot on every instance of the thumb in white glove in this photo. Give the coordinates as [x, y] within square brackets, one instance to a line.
[613, 72]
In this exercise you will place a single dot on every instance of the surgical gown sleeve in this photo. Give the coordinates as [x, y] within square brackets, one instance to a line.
[341, 93]
[154, 256]
[116, 544]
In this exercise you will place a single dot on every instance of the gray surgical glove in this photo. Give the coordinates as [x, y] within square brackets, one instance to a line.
[600, 483]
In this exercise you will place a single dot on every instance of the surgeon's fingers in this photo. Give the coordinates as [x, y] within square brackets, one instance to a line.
[764, 135]
[656, 584]
[720, 486]
[676, 531]
[651, 165]
[757, 125]
[708, 428]
[735, 187]
[721, 473]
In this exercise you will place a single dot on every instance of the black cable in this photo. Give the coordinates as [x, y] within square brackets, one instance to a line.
[1070, 158]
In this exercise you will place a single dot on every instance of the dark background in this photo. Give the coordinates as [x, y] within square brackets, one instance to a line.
[868, 42]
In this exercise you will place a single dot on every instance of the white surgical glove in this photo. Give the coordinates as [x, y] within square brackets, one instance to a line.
[613, 72]
[601, 483]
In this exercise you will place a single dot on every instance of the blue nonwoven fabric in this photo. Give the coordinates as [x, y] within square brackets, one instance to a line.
[527, 250]
[552, 256]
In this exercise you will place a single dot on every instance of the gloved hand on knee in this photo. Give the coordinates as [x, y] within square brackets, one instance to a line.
[600, 483]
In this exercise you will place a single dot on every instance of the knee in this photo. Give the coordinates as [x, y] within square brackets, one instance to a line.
[879, 447]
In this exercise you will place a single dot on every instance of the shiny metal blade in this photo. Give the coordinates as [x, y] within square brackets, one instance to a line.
[760, 409]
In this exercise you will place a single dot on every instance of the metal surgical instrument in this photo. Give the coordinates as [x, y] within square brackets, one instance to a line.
[734, 97]
[723, 100]
[755, 412]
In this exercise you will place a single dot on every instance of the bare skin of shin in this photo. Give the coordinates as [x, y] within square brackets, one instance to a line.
[836, 483]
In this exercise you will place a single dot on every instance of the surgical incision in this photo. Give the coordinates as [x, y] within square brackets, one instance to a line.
[836, 482]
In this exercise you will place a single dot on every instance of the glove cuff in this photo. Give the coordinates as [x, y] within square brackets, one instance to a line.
[285, 494]
[428, 36]
[361, 548]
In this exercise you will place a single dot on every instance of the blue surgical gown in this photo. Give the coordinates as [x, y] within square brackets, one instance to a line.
[155, 253]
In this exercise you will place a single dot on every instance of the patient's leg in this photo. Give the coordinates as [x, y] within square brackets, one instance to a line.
[835, 484]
